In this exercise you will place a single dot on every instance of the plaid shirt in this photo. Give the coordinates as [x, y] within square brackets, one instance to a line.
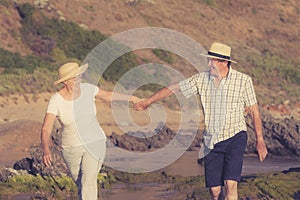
[224, 105]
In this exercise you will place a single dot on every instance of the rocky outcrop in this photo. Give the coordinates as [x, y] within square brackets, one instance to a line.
[282, 135]
[7, 172]
[139, 141]
[35, 165]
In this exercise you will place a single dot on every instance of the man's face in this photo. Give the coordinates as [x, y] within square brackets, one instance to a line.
[216, 66]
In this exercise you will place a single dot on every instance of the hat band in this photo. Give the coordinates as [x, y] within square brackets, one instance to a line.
[218, 55]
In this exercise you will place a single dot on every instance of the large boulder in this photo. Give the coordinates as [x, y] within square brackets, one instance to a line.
[282, 135]
[139, 141]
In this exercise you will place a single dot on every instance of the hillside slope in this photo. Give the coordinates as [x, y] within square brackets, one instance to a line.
[260, 25]
[256, 30]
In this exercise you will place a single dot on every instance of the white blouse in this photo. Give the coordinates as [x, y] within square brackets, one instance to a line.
[78, 117]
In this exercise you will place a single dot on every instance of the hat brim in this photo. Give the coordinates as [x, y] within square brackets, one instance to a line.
[78, 72]
[210, 56]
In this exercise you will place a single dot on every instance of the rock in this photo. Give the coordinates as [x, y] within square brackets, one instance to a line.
[282, 135]
[25, 164]
[295, 169]
[35, 165]
[139, 141]
[6, 173]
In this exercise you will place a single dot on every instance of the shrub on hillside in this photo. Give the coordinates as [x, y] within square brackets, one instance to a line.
[164, 55]
[11, 61]
[43, 34]
[278, 79]
[4, 2]
[22, 82]
[56, 39]
[270, 65]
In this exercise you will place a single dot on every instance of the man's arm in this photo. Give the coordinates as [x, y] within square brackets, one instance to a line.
[260, 143]
[161, 94]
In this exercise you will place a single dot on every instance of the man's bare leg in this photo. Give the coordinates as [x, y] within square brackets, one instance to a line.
[216, 193]
[231, 192]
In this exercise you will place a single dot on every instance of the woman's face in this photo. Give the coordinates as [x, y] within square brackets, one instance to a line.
[74, 82]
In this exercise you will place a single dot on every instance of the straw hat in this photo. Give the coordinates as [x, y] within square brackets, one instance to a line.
[70, 70]
[219, 51]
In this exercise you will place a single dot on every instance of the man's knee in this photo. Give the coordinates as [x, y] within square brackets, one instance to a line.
[215, 192]
[231, 189]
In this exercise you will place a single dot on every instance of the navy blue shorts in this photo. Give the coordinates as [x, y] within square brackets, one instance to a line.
[225, 161]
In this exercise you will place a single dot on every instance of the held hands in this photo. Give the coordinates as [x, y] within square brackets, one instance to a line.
[141, 104]
[134, 99]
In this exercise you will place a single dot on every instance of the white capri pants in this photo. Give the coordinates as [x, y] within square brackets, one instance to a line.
[84, 167]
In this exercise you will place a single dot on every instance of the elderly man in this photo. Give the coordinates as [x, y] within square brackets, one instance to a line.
[224, 93]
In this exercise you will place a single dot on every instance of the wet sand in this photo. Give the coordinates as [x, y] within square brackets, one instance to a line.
[148, 191]
[186, 166]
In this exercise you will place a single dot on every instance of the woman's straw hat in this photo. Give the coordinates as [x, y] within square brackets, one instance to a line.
[70, 70]
[219, 51]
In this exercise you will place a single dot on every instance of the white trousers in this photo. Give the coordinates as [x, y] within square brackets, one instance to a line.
[84, 167]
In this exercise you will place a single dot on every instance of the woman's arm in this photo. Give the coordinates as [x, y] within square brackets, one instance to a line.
[114, 96]
[45, 137]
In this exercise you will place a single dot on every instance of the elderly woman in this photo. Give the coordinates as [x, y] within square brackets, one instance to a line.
[83, 140]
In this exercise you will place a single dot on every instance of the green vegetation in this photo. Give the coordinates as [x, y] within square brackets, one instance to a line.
[267, 186]
[163, 55]
[270, 71]
[12, 61]
[4, 2]
[45, 186]
[22, 82]
[119, 67]
[210, 2]
[273, 66]
[89, 8]
[41, 34]
[271, 186]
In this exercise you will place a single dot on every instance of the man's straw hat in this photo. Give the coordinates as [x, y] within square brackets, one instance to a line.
[70, 70]
[219, 51]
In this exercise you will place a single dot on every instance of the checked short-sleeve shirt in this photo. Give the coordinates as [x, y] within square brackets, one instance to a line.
[224, 105]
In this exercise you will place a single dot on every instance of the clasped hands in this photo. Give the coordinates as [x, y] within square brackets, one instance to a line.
[139, 104]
